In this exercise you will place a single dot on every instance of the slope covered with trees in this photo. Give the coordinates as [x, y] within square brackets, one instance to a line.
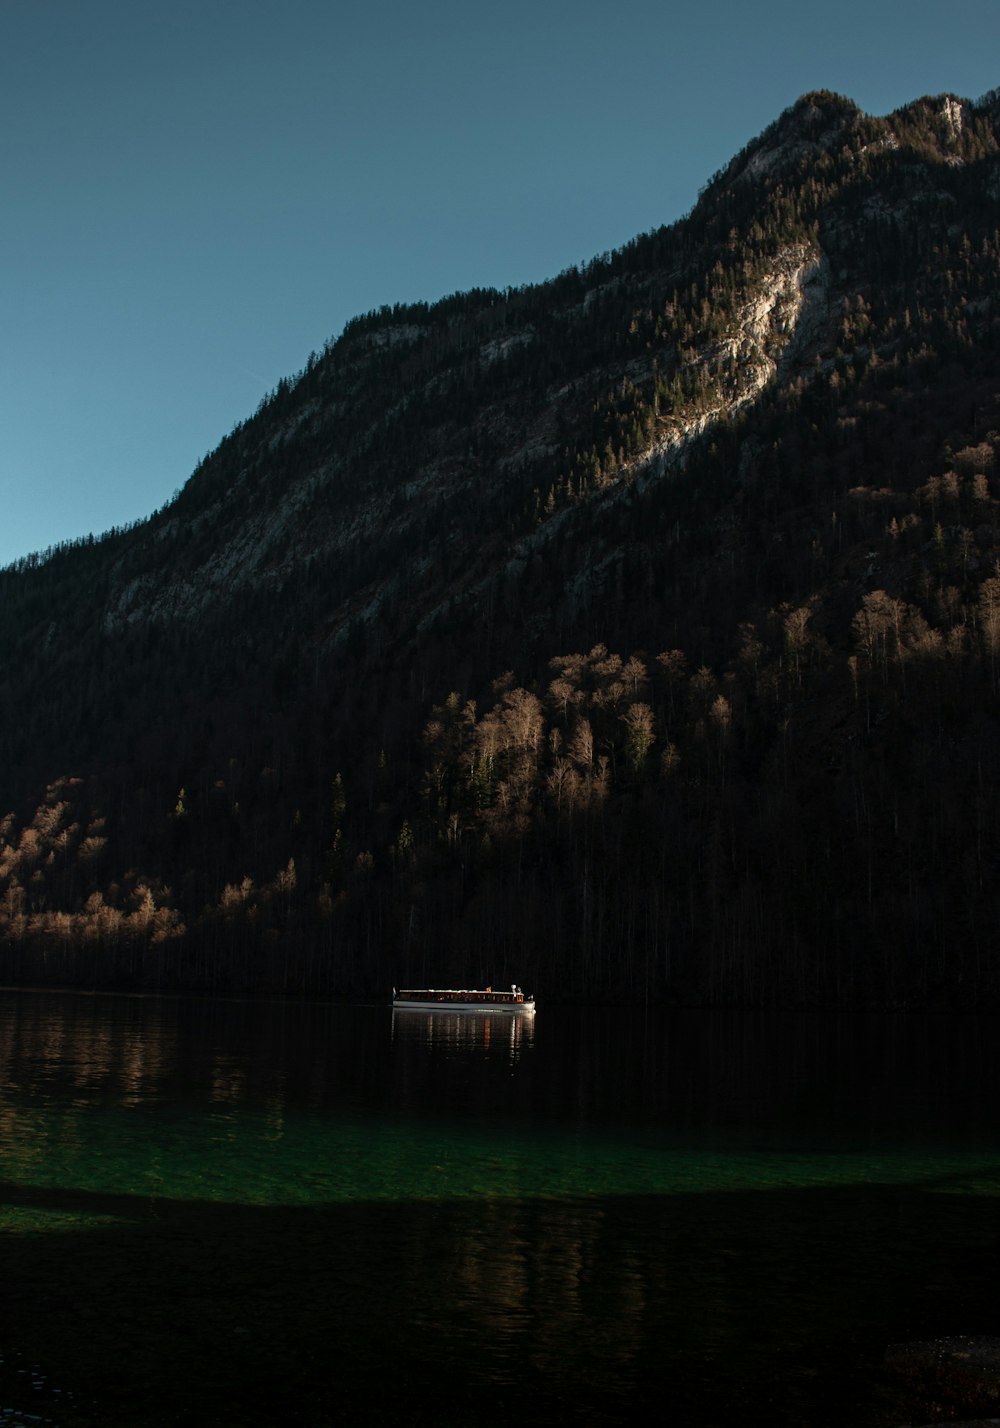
[634, 635]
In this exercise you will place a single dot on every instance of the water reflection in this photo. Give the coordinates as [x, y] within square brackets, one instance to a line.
[145, 1052]
[740, 1081]
[51, 1045]
[492, 1033]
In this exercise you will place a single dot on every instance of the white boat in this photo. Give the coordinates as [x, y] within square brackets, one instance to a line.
[462, 999]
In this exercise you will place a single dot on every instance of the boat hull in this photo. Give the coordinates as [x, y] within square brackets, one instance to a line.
[462, 999]
[525, 1008]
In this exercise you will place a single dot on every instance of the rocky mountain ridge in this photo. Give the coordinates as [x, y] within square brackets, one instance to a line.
[252, 552]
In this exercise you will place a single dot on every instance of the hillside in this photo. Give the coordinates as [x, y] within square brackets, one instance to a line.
[632, 635]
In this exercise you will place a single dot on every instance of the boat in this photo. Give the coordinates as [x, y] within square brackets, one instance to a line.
[462, 999]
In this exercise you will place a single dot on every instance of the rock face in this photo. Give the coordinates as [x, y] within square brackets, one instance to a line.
[953, 114]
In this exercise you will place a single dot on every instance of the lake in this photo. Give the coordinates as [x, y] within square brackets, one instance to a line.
[241, 1213]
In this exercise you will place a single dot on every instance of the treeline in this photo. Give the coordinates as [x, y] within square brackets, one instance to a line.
[809, 822]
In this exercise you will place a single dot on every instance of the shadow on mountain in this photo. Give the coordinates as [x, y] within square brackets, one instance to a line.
[752, 1307]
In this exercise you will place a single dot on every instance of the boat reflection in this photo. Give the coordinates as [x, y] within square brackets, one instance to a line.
[464, 1030]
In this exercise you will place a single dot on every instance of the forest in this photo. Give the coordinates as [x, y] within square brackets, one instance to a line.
[632, 636]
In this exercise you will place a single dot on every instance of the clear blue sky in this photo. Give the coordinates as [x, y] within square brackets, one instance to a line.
[197, 194]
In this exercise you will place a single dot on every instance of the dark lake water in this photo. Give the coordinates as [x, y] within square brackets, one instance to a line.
[237, 1213]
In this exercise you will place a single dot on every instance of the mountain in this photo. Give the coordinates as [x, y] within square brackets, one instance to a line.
[631, 635]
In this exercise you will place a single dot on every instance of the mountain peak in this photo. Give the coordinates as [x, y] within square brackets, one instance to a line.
[815, 123]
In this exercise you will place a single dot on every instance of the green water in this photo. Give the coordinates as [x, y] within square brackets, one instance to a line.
[233, 1213]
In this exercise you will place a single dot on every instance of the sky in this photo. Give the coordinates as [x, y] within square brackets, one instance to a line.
[195, 195]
